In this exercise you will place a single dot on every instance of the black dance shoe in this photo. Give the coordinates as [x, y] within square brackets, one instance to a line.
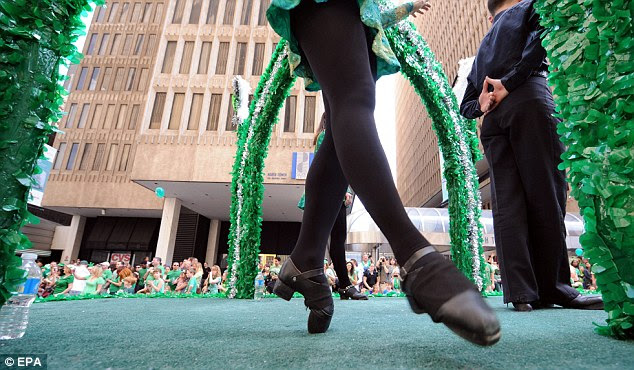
[313, 285]
[580, 302]
[522, 307]
[351, 292]
[437, 287]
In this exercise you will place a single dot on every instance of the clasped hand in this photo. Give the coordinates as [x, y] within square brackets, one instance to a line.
[489, 100]
[420, 7]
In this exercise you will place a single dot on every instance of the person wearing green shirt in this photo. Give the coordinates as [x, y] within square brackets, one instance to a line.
[173, 275]
[95, 281]
[65, 282]
[192, 284]
[115, 284]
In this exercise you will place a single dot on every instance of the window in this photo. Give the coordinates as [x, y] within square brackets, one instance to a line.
[194, 16]
[96, 164]
[83, 117]
[229, 124]
[101, 13]
[230, 9]
[83, 163]
[139, 44]
[115, 43]
[136, 13]
[147, 11]
[123, 162]
[113, 12]
[104, 43]
[93, 79]
[96, 116]
[143, 79]
[177, 111]
[130, 81]
[212, 11]
[127, 45]
[91, 44]
[194, 113]
[290, 113]
[258, 59]
[168, 60]
[221, 63]
[264, 5]
[82, 78]
[157, 110]
[150, 45]
[71, 157]
[60, 156]
[112, 156]
[158, 13]
[205, 53]
[134, 116]
[214, 112]
[118, 79]
[186, 61]
[247, 6]
[123, 109]
[241, 56]
[309, 114]
[124, 13]
[107, 75]
[71, 115]
[107, 122]
[178, 11]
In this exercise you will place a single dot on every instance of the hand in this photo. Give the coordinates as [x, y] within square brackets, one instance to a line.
[499, 92]
[420, 7]
[348, 200]
[486, 99]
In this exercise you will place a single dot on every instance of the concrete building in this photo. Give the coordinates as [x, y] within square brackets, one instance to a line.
[150, 106]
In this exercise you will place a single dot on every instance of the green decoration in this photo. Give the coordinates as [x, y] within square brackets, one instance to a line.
[458, 143]
[590, 45]
[247, 187]
[36, 37]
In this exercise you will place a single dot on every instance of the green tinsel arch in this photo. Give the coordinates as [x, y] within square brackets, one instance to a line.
[590, 44]
[36, 37]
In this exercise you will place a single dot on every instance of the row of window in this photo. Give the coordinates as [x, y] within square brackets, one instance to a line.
[93, 161]
[131, 45]
[122, 81]
[195, 118]
[228, 18]
[103, 116]
[222, 56]
[141, 13]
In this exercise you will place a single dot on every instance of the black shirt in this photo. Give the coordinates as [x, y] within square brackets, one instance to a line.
[371, 277]
[511, 51]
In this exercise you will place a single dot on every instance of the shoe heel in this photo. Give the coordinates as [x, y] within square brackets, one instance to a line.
[283, 291]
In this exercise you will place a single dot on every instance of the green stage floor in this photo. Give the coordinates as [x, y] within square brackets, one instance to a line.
[381, 332]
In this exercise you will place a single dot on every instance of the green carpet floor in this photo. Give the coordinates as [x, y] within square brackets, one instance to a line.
[381, 332]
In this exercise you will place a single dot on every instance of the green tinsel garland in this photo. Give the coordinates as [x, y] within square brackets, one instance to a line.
[36, 37]
[458, 142]
[590, 44]
[247, 187]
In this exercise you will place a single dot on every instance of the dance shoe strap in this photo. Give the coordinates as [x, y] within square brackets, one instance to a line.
[414, 258]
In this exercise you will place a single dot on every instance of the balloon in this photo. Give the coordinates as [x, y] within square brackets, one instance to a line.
[579, 252]
[160, 192]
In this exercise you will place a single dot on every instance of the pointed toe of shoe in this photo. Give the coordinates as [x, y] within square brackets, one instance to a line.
[471, 318]
[319, 319]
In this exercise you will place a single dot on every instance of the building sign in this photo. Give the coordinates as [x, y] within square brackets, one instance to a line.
[301, 164]
[276, 175]
[46, 164]
[120, 257]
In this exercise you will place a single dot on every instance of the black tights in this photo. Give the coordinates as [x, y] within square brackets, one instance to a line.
[335, 44]
[338, 247]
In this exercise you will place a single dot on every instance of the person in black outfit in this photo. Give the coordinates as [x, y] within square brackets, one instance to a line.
[508, 86]
[338, 47]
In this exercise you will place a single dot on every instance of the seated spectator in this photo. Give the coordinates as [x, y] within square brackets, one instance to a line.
[115, 283]
[370, 278]
[214, 280]
[64, 283]
[80, 274]
[223, 286]
[396, 278]
[129, 280]
[173, 275]
[575, 280]
[182, 282]
[192, 285]
[593, 284]
[107, 275]
[352, 275]
[95, 281]
[48, 283]
[157, 284]
[331, 275]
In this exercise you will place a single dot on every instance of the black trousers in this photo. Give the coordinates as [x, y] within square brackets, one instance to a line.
[528, 195]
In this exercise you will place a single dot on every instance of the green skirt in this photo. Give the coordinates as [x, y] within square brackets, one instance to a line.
[279, 18]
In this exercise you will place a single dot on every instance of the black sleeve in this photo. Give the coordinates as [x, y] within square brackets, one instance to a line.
[470, 107]
[532, 57]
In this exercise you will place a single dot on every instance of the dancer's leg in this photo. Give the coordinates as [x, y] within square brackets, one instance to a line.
[334, 41]
[338, 248]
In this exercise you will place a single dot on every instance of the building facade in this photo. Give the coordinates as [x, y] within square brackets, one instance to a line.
[150, 106]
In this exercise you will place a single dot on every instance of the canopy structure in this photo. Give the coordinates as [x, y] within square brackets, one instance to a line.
[433, 223]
